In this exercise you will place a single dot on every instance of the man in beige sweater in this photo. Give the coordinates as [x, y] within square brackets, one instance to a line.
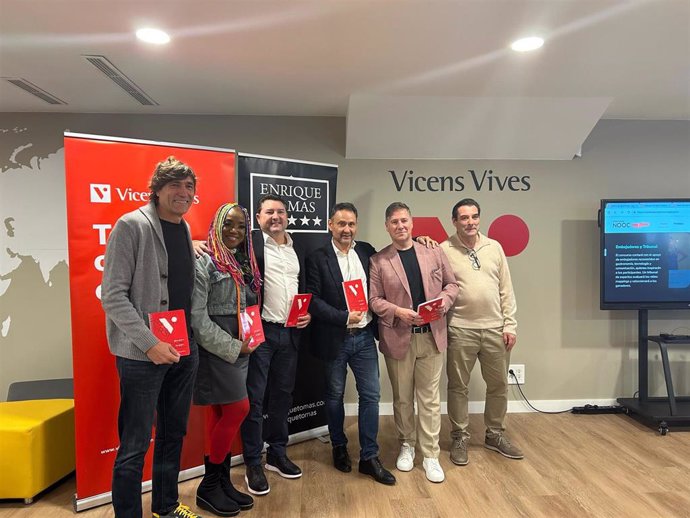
[481, 325]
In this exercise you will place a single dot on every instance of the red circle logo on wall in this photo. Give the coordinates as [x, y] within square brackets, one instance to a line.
[512, 232]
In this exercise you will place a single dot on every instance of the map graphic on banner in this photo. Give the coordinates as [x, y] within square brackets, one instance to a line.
[309, 189]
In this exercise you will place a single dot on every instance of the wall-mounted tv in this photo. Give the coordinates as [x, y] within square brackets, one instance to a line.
[645, 254]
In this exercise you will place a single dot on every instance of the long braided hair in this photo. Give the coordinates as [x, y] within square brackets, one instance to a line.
[240, 263]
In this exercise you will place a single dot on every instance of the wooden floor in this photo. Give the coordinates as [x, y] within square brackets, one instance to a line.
[575, 465]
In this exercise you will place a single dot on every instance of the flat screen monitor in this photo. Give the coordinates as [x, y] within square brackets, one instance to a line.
[645, 254]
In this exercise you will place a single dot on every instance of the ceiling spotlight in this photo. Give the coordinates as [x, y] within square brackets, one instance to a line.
[527, 44]
[155, 36]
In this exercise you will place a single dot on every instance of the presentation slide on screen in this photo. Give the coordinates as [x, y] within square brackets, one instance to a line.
[647, 251]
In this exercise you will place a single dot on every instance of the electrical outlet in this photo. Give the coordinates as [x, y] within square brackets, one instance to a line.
[519, 370]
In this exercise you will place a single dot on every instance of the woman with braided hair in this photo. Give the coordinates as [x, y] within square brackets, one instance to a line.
[227, 281]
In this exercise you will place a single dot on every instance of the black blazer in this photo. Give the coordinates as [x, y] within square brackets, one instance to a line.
[328, 307]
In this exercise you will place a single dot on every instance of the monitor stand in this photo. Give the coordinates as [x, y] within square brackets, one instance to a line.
[661, 412]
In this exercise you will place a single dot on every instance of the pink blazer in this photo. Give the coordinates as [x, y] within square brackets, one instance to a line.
[389, 289]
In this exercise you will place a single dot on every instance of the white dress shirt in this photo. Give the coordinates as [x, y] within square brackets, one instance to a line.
[281, 279]
[351, 268]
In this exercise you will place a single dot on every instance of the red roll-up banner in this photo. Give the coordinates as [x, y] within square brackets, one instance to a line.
[107, 177]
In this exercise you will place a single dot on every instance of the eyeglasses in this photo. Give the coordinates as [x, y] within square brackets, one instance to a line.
[476, 265]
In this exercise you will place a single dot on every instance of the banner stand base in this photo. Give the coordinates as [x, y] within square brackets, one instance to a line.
[82, 504]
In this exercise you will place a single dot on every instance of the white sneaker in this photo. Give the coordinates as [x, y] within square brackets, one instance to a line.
[405, 460]
[433, 470]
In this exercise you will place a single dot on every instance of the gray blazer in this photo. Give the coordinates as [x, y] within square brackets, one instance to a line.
[135, 281]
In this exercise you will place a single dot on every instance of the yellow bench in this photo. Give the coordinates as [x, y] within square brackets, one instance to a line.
[36, 445]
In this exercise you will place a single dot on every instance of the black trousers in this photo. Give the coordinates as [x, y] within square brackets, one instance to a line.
[146, 390]
[272, 368]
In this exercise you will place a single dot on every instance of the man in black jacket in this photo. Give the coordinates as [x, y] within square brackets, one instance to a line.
[341, 338]
[273, 364]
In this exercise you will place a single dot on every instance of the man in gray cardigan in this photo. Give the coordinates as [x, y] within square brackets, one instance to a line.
[149, 267]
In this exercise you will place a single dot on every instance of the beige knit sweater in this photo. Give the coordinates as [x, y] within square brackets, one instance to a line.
[486, 299]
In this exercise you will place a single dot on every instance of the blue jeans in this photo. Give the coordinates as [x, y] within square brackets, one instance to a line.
[272, 368]
[147, 389]
[359, 351]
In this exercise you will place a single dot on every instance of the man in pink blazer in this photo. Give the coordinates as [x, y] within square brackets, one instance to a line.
[402, 276]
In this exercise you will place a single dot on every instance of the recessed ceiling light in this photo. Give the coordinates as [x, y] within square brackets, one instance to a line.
[156, 36]
[527, 44]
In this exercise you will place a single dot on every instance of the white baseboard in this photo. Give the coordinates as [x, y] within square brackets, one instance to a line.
[514, 406]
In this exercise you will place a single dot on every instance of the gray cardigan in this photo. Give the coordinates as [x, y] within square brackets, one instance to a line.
[135, 281]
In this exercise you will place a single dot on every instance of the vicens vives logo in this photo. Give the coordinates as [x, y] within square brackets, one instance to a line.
[100, 193]
[103, 193]
[486, 180]
[301, 301]
[168, 324]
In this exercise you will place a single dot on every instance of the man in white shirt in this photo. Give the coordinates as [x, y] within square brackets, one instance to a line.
[273, 364]
[342, 337]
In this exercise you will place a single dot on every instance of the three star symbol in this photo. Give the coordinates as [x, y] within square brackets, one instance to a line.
[292, 221]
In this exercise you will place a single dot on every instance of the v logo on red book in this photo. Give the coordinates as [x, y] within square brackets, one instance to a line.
[171, 327]
[167, 325]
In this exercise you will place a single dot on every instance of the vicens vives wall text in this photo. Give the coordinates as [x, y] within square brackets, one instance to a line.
[480, 181]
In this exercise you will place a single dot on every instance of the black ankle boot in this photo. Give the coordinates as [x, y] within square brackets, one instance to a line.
[210, 494]
[245, 501]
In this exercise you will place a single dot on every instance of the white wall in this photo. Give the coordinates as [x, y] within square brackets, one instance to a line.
[571, 349]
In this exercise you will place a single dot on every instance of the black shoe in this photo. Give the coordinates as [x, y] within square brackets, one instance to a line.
[341, 459]
[375, 469]
[245, 501]
[256, 480]
[283, 466]
[210, 495]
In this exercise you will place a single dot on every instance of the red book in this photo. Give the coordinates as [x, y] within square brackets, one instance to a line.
[252, 326]
[171, 327]
[431, 310]
[355, 298]
[299, 308]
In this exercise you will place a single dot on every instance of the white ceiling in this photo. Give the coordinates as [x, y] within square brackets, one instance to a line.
[293, 57]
